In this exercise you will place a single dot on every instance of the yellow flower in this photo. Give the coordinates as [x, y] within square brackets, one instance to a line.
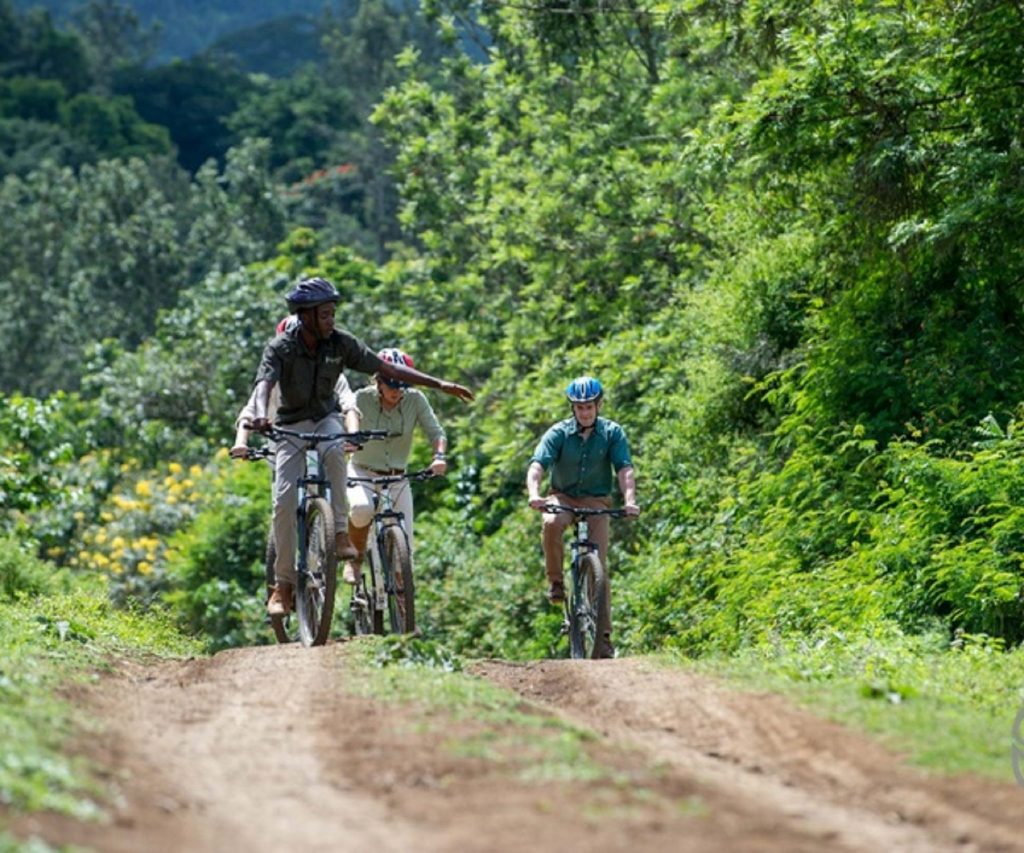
[117, 542]
[143, 488]
[196, 471]
[106, 517]
[144, 568]
[101, 537]
[174, 467]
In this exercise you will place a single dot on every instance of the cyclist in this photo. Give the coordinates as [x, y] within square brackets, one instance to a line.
[346, 403]
[581, 452]
[304, 362]
[389, 404]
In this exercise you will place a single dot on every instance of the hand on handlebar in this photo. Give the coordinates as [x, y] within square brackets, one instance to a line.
[239, 451]
[539, 503]
[632, 510]
[259, 425]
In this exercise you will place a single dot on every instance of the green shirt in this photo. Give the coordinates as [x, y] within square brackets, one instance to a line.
[307, 379]
[583, 468]
[412, 410]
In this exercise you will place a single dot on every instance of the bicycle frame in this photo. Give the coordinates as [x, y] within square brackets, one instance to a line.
[382, 582]
[585, 619]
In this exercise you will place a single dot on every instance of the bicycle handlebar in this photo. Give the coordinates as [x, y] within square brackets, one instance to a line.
[314, 438]
[617, 512]
[254, 453]
[385, 479]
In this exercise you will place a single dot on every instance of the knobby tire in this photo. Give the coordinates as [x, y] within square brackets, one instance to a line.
[397, 563]
[588, 596]
[314, 593]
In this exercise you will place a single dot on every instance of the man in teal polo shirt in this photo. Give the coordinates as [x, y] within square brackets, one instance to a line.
[580, 452]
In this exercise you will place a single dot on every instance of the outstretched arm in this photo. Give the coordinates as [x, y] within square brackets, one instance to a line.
[416, 377]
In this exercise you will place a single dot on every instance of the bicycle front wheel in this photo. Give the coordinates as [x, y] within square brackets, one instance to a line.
[286, 628]
[588, 598]
[398, 581]
[314, 593]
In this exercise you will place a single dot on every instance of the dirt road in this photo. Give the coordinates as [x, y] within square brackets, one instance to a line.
[265, 749]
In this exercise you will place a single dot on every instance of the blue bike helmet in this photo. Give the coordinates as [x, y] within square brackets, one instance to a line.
[584, 389]
[311, 292]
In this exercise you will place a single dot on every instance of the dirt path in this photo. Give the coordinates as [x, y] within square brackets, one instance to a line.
[264, 749]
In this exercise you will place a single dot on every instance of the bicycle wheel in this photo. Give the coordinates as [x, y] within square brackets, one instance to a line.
[588, 597]
[397, 564]
[286, 628]
[314, 593]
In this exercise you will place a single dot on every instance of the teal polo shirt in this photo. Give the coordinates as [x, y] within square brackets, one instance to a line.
[583, 468]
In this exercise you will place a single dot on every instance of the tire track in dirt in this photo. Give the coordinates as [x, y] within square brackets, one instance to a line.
[264, 749]
[815, 775]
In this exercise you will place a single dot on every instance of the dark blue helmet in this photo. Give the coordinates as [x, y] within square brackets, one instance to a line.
[311, 292]
[584, 389]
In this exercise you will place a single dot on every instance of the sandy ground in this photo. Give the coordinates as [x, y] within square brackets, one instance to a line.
[263, 749]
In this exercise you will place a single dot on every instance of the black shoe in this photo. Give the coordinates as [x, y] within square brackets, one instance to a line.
[556, 592]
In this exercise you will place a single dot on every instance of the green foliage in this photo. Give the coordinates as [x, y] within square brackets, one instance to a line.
[215, 563]
[22, 573]
[931, 698]
[52, 642]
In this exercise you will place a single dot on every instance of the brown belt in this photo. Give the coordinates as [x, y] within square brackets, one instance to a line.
[387, 472]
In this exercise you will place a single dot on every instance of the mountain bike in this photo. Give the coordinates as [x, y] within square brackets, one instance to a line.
[586, 599]
[316, 566]
[388, 585]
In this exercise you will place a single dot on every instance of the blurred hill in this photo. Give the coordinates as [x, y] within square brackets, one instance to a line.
[188, 27]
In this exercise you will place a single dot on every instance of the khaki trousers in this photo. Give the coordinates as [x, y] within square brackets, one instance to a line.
[289, 460]
[553, 537]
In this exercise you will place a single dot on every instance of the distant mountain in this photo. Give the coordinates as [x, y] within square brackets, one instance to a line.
[189, 27]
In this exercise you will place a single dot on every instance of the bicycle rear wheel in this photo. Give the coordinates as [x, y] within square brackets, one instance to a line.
[314, 593]
[286, 628]
[588, 597]
[397, 563]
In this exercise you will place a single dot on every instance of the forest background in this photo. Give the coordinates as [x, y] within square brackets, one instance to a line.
[787, 236]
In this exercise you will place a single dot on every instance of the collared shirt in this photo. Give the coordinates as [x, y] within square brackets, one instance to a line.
[413, 409]
[307, 379]
[583, 468]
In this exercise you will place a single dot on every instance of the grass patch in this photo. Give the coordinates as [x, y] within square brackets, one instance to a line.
[49, 644]
[947, 706]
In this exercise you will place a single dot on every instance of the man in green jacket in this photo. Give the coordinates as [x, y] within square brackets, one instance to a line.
[581, 452]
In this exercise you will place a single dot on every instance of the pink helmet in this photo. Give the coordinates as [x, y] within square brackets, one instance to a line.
[392, 355]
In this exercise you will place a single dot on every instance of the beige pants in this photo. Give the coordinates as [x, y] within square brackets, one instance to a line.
[360, 500]
[289, 461]
[553, 537]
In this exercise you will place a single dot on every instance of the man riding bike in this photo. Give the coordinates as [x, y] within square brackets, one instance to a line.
[581, 453]
[389, 405]
[305, 362]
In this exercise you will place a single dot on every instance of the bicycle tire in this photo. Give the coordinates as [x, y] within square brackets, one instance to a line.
[314, 593]
[286, 629]
[397, 562]
[588, 596]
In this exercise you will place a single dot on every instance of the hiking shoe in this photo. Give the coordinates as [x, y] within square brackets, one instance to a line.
[281, 601]
[343, 547]
[556, 592]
